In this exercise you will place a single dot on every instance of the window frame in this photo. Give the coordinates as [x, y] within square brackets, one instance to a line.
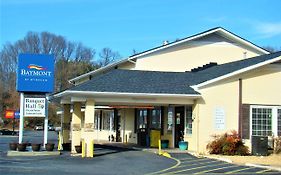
[185, 120]
[274, 118]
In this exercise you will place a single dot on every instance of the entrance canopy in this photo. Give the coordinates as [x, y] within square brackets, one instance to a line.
[132, 87]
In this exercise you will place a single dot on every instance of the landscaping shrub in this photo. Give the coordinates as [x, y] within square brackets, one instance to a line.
[228, 144]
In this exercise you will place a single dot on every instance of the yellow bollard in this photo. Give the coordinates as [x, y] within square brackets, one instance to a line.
[92, 149]
[159, 147]
[59, 144]
[83, 148]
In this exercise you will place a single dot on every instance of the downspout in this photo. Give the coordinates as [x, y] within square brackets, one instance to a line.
[197, 122]
[240, 108]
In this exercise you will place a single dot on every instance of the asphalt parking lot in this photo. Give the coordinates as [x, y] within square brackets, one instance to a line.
[113, 160]
[107, 160]
[188, 164]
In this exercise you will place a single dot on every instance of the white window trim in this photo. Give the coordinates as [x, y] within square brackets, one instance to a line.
[274, 122]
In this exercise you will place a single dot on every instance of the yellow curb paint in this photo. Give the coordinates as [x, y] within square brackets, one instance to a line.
[165, 154]
[201, 172]
[235, 171]
[174, 172]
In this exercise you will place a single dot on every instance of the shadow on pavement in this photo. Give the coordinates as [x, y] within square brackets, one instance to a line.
[101, 150]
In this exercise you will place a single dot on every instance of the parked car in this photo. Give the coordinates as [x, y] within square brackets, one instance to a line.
[38, 127]
[8, 132]
[51, 127]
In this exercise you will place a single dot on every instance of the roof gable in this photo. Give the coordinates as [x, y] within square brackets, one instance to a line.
[178, 84]
[219, 30]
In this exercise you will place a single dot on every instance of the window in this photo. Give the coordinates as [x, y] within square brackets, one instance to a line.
[106, 120]
[279, 122]
[97, 119]
[142, 118]
[156, 118]
[188, 120]
[261, 121]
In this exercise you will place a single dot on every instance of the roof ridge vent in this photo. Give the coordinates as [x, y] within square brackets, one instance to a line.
[165, 42]
[205, 66]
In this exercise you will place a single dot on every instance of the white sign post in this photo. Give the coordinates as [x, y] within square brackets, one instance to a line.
[21, 116]
[46, 124]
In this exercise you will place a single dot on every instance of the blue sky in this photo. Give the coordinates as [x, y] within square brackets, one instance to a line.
[129, 24]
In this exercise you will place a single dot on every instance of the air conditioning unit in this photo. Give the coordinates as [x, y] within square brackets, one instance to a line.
[260, 145]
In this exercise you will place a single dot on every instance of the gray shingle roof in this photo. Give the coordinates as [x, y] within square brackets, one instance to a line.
[223, 69]
[134, 81]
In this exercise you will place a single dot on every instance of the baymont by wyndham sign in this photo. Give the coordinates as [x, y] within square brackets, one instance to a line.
[35, 73]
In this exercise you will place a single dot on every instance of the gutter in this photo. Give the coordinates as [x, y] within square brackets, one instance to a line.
[122, 94]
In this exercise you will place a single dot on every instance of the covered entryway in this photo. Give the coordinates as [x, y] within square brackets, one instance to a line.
[143, 105]
[139, 120]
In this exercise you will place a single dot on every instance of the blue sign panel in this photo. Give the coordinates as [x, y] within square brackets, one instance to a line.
[17, 114]
[35, 73]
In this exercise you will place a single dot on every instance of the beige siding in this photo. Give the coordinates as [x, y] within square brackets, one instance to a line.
[127, 126]
[260, 86]
[223, 96]
[167, 135]
[190, 55]
[126, 66]
[263, 86]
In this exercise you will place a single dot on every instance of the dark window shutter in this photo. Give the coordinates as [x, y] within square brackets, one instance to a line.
[245, 121]
[162, 120]
[136, 120]
[101, 118]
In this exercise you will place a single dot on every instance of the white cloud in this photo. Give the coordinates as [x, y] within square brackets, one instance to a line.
[268, 30]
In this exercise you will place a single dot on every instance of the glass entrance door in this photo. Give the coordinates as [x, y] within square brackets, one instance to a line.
[179, 125]
[142, 117]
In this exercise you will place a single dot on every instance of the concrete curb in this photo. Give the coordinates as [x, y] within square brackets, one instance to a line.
[219, 158]
[263, 166]
[30, 153]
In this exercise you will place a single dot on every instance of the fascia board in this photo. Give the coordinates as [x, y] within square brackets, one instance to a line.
[91, 93]
[241, 40]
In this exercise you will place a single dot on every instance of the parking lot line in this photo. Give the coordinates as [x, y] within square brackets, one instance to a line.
[197, 160]
[189, 158]
[167, 169]
[263, 171]
[186, 165]
[201, 172]
[174, 172]
[236, 171]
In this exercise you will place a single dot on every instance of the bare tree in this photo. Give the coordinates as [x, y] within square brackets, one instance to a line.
[134, 52]
[71, 59]
[107, 56]
[271, 49]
